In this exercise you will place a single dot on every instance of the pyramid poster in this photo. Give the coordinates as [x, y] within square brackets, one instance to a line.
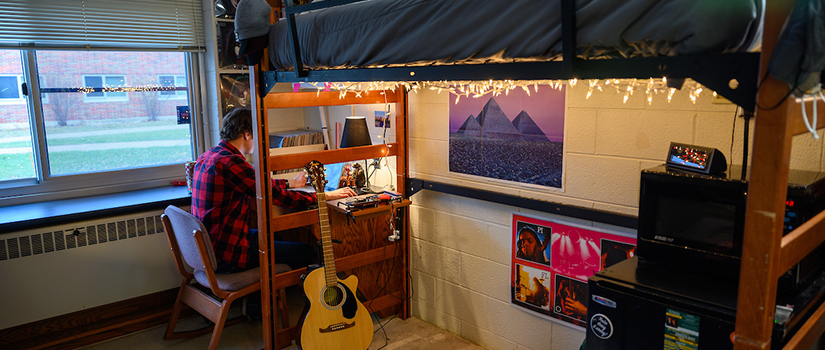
[514, 137]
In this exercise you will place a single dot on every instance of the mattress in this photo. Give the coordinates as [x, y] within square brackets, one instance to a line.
[377, 33]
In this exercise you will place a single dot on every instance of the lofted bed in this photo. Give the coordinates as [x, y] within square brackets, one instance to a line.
[305, 48]
[362, 251]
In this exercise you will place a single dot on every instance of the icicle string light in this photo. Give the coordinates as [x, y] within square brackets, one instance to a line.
[476, 89]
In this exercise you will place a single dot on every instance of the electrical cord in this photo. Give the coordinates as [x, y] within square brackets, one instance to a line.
[790, 91]
[381, 326]
[811, 125]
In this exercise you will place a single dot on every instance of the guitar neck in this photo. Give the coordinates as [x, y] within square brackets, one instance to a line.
[326, 241]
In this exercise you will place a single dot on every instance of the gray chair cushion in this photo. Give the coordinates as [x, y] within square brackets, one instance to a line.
[280, 268]
[231, 282]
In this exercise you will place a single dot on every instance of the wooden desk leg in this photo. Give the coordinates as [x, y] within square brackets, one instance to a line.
[284, 309]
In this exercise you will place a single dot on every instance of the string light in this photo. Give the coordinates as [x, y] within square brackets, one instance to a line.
[112, 88]
[477, 89]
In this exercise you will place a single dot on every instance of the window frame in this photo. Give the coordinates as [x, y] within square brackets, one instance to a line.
[44, 187]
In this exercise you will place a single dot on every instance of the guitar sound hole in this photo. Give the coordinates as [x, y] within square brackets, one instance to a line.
[334, 297]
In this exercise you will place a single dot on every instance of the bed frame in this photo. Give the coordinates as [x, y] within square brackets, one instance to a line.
[736, 76]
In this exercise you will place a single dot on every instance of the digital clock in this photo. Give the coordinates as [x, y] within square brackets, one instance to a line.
[696, 158]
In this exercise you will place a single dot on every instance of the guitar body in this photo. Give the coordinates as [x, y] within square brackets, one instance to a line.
[333, 319]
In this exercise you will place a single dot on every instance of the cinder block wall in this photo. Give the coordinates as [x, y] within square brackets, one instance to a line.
[461, 247]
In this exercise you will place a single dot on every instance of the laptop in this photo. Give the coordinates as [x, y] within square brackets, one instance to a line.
[334, 173]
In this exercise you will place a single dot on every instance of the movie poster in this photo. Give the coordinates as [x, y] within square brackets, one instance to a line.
[228, 47]
[518, 136]
[551, 261]
[234, 92]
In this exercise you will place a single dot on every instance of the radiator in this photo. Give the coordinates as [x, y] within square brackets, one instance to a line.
[53, 271]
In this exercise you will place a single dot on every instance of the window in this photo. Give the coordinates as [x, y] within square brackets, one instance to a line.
[81, 131]
[10, 91]
[92, 120]
[103, 85]
[172, 81]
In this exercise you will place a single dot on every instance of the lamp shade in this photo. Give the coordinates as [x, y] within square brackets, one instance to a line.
[355, 132]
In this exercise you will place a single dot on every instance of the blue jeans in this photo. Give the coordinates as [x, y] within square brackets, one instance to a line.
[294, 254]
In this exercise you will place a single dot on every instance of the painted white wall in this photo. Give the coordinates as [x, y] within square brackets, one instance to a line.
[50, 284]
[461, 247]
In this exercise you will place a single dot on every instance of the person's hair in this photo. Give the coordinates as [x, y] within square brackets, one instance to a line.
[236, 123]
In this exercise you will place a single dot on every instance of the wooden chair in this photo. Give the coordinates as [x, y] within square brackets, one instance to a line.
[192, 250]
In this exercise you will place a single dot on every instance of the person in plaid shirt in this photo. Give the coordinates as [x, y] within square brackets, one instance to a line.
[223, 192]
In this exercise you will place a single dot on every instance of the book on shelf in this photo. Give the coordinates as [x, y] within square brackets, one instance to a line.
[294, 141]
[292, 138]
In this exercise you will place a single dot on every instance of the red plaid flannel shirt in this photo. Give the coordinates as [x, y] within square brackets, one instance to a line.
[222, 194]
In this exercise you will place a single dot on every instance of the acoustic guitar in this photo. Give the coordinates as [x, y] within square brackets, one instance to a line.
[333, 318]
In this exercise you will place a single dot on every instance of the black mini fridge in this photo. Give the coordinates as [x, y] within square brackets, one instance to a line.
[643, 306]
[636, 305]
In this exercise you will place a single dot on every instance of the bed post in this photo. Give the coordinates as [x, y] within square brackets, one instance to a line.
[260, 133]
[292, 31]
[767, 190]
[568, 36]
[402, 174]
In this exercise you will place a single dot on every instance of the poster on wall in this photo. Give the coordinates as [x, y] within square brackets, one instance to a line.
[551, 261]
[228, 47]
[518, 136]
[234, 91]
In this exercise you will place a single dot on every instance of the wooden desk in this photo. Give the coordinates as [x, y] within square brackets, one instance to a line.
[379, 209]
[380, 265]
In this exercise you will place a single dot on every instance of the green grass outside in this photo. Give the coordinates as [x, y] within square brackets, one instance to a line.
[19, 166]
[88, 127]
[124, 137]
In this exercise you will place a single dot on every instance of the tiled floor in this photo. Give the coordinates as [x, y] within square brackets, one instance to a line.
[409, 334]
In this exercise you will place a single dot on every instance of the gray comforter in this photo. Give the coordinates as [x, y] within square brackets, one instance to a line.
[423, 32]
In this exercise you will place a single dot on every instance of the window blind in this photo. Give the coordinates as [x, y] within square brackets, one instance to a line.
[102, 24]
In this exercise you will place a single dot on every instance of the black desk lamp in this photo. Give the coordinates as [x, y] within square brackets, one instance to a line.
[356, 134]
